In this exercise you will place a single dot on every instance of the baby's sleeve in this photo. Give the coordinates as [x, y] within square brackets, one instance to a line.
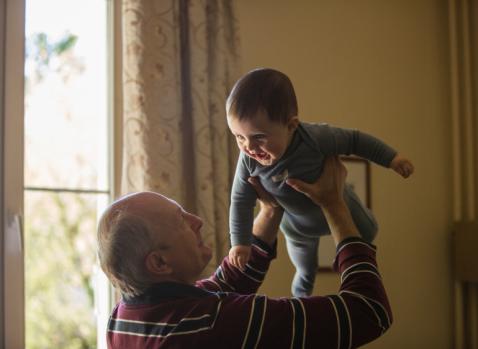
[342, 141]
[243, 201]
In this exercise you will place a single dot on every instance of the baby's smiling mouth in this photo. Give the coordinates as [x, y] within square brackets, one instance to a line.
[260, 155]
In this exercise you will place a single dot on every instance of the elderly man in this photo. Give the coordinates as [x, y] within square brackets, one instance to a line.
[152, 251]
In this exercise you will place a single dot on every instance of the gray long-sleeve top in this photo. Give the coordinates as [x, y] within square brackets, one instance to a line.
[304, 160]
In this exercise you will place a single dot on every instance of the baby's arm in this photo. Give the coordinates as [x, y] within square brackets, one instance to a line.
[402, 166]
[241, 214]
[265, 225]
[239, 256]
[344, 141]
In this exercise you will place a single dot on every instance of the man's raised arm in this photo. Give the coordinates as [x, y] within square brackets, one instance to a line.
[229, 278]
[356, 315]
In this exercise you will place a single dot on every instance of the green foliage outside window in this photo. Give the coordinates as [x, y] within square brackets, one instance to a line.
[60, 248]
[60, 255]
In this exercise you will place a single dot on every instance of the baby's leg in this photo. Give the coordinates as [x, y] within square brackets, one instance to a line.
[303, 255]
[362, 216]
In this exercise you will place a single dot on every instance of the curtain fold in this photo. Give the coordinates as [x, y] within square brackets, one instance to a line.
[463, 28]
[180, 59]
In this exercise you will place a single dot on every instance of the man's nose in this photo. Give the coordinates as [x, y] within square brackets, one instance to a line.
[196, 222]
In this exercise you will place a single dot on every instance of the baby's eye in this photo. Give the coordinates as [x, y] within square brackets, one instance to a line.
[240, 138]
[259, 137]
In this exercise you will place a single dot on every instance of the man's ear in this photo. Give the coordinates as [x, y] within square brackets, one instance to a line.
[157, 265]
[293, 123]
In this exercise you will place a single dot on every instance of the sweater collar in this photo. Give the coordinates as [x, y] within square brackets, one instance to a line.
[165, 291]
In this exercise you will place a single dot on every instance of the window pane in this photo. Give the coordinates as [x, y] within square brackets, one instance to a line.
[66, 146]
[60, 250]
[65, 105]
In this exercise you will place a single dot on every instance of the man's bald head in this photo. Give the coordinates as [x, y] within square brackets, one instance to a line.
[126, 234]
[144, 238]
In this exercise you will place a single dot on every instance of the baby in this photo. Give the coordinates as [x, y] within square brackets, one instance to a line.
[282, 151]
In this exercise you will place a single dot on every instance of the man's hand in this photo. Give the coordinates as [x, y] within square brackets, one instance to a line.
[266, 223]
[328, 192]
[266, 199]
[239, 256]
[329, 188]
[402, 166]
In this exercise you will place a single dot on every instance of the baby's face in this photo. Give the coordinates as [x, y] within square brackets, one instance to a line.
[262, 139]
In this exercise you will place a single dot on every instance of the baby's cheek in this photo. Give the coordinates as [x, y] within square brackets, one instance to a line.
[278, 151]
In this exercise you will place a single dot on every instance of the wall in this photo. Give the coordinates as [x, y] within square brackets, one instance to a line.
[382, 67]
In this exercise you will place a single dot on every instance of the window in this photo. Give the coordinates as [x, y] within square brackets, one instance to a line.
[66, 171]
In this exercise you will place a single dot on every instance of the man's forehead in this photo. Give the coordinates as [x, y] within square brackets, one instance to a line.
[147, 201]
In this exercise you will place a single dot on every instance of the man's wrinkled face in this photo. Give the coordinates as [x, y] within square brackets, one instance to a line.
[185, 249]
[262, 139]
[177, 234]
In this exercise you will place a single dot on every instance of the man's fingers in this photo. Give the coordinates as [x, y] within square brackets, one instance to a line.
[298, 185]
[257, 186]
[338, 167]
[262, 194]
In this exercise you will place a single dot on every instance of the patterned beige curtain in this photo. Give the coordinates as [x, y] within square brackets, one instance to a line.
[179, 62]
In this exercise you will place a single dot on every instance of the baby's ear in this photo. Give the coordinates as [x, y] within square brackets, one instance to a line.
[293, 123]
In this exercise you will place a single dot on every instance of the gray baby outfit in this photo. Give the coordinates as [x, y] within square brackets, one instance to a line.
[303, 222]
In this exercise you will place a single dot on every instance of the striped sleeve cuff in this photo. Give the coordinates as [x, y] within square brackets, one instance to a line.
[265, 249]
[350, 240]
[350, 247]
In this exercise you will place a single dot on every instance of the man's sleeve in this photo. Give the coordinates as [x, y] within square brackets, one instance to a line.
[358, 314]
[243, 201]
[228, 278]
[342, 141]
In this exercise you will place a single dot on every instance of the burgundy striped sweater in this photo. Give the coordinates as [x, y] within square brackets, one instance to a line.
[224, 310]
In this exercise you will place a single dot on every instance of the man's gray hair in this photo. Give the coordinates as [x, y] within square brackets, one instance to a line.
[124, 241]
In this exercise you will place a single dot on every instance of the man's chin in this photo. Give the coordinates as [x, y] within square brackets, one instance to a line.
[207, 254]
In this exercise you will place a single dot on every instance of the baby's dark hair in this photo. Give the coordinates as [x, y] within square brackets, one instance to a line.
[263, 89]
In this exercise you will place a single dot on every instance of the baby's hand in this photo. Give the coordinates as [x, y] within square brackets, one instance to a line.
[402, 166]
[239, 256]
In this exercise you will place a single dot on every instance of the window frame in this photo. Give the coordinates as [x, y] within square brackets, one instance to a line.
[12, 36]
